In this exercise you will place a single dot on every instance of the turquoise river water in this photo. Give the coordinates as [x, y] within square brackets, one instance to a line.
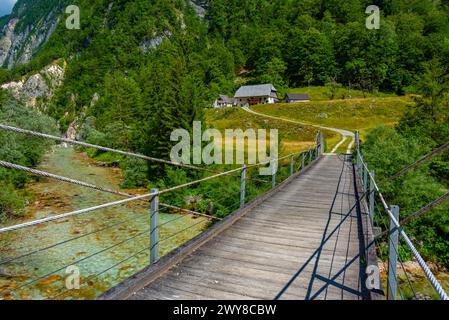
[106, 246]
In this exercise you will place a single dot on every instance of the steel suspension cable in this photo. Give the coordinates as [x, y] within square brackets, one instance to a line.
[425, 158]
[400, 262]
[61, 178]
[102, 272]
[121, 152]
[93, 146]
[107, 227]
[433, 280]
[83, 184]
[77, 261]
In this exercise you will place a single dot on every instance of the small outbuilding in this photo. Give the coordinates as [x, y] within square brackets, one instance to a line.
[297, 97]
[223, 102]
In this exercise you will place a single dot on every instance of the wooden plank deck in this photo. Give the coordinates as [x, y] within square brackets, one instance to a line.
[307, 226]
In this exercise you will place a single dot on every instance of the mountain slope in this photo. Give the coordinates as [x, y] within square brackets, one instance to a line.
[29, 26]
[137, 69]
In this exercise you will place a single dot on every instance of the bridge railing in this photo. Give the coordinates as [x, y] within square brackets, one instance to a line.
[112, 241]
[385, 220]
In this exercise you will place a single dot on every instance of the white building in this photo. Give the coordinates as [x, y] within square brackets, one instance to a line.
[224, 102]
[256, 94]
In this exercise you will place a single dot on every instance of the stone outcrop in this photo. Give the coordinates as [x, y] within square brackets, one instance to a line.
[41, 85]
[200, 7]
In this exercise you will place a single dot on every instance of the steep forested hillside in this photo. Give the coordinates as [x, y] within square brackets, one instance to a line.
[137, 69]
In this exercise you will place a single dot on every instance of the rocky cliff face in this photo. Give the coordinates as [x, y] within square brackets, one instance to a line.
[7, 40]
[38, 88]
[28, 28]
[200, 7]
[32, 22]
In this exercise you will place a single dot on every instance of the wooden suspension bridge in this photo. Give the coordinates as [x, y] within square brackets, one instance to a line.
[312, 236]
[299, 226]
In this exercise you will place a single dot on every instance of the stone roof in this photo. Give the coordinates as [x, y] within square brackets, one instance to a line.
[261, 90]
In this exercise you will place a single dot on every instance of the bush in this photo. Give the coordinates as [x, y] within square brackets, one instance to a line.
[136, 173]
[20, 149]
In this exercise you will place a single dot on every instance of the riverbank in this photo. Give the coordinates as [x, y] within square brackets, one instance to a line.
[415, 282]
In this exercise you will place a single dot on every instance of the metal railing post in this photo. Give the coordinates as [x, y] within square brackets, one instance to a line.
[393, 242]
[357, 148]
[361, 163]
[273, 174]
[322, 142]
[242, 187]
[365, 179]
[303, 160]
[357, 162]
[357, 140]
[154, 227]
[310, 156]
[292, 165]
[372, 192]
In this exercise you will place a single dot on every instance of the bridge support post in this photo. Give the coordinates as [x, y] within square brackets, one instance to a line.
[322, 150]
[242, 187]
[393, 242]
[154, 228]
[303, 160]
[357, 148]
[365, 179]
[357, 140]
[292, 165]
[372, 192]
[273, 174]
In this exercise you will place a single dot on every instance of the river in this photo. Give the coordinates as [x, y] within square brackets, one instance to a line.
[107, 246]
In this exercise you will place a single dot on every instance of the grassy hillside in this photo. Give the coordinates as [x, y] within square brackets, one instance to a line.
[293, 138]
[350, 114]
[354, 114]
[318, 93]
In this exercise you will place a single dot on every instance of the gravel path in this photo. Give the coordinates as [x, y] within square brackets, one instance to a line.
[344, 133]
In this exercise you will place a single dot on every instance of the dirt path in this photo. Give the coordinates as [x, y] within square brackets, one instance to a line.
[344, 133]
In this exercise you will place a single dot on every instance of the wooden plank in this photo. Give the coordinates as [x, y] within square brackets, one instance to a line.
[258, 253]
